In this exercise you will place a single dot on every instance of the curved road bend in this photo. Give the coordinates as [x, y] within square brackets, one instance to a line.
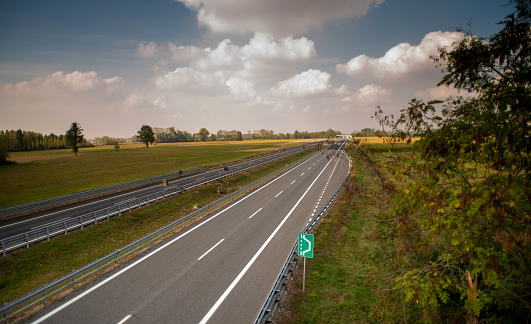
[26, 223]
[219, 270]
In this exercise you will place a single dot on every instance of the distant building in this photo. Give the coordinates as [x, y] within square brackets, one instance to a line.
[343, 136]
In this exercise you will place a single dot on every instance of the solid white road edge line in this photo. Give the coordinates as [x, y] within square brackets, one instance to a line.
[73, 300]
[250, 263]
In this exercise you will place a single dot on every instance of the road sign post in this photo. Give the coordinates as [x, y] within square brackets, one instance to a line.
[305, 250]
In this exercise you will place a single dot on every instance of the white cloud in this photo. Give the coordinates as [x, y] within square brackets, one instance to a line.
[441, 93]
[262, 56]
[188, 78]
[148, 50]
[279, 17]
[183, 52]
[226, 56]
[61, 83]
[263, 47]
[306, 83]
[51, 102]
[372, 93]
[241, 89]
[402, 59]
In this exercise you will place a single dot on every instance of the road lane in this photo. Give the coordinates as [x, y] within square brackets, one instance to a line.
[170, 284]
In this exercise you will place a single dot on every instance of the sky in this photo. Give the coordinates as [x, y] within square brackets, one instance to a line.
[282, 65]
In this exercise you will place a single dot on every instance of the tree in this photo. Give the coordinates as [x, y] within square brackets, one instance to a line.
[74, 137]
[464, 224]
[4, 155]
[146, 135]
[203, 134]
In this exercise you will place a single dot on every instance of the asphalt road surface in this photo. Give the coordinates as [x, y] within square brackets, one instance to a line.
[219, 270]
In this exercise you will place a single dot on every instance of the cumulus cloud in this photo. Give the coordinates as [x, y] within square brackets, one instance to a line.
[372, 93]
[61, 83]
[279, 17]
[226, 56]
[263, 46]
[148, 50]
[51, 102]
[181, 53]
[241, 89]
[188, 78]
[306, 83]
[441, 93]
[263, 55]
[402, 59]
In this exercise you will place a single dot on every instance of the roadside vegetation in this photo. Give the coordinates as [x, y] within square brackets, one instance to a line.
[25, 270]
[48, 174]
[453, 242]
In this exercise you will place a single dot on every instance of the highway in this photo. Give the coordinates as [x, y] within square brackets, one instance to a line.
[221, 269]
[23, 224]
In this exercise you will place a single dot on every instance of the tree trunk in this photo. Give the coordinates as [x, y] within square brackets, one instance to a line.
[471, 318]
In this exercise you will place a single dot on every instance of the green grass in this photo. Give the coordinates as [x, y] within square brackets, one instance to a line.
[49, 174]
[350, 279]
[28, 269]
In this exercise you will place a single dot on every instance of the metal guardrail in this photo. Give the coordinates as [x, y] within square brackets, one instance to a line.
[41, 296]
[272, 303]
[74, 223]
[68, 199]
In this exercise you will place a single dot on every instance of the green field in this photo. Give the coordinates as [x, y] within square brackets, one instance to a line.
[47, 174]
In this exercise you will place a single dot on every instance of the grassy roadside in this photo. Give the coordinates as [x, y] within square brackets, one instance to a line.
[351, 277]
[28, 269]
[49, 174]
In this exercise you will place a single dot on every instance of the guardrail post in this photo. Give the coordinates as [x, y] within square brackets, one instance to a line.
[107, 209]
[66, 228]
[81, 221]
[138, 203]
[95, 218]
[27, 240]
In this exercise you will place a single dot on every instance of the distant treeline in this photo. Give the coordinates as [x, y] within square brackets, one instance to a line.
[19, 140]
[169, 135]
[368, 132]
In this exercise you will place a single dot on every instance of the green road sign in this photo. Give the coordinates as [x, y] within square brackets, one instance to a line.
[306, 245]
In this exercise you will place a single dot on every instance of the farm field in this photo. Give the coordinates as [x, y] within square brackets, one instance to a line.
[42, 175]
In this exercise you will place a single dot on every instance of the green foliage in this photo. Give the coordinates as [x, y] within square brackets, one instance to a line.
[14, 141]
[464, 227]
[3, 155]
[203, 134]
[146, 135]
[74, 137]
